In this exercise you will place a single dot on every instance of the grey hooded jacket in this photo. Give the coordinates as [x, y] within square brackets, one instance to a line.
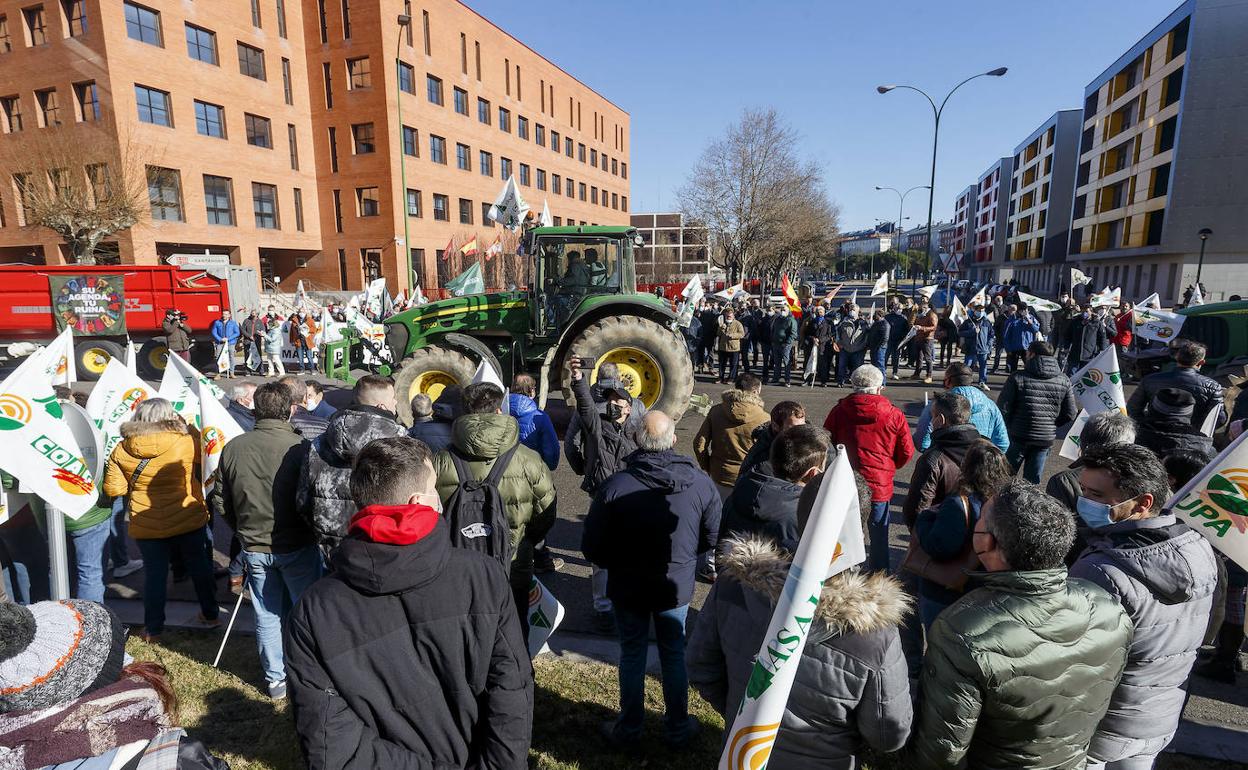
[851, 691]
[1164, 575]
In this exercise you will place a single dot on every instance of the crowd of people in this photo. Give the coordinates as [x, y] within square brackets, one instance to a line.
[390, 565]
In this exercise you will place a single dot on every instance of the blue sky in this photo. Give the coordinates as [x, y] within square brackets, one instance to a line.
[685, 69]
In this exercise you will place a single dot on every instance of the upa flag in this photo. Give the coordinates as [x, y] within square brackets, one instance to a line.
[831, 543]
[1106, 298]
[1077, 278]
[470, 248]
[545, 220]
[1215, 503]
[881, 285]
[113, 401]
[487, 373]
[1070, 445]
[216, 425]
[468, 282]
[1036, 303]
[1198, 297]
[790, 297]
[509, 208]
[1157, 325]
[545, 615]
[1098, 386]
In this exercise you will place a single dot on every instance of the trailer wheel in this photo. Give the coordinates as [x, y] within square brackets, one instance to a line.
[430, 370]
[93, 356]
[153, 358]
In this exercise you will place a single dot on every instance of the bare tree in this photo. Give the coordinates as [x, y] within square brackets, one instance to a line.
[84, 185]
[757, 198]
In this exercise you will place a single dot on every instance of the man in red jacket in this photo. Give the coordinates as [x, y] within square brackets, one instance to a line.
[877, 438]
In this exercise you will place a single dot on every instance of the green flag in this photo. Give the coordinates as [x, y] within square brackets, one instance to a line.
[467, 282]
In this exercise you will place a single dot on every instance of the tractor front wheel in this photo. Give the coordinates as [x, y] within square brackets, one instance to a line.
[430, 370]
[652, 360]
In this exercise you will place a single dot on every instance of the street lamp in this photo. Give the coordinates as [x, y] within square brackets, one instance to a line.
[901, 204]
[1204, 234]
[936, 112]
[404, 20]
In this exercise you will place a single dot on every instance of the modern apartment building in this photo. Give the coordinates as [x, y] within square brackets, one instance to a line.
[675, 249]
[991, 207]
[351, 159]
[1161, 157]
[963, 234]
[1041, 188]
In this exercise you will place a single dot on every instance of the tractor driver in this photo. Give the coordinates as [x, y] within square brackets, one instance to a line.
[598, 270]
[577, 276]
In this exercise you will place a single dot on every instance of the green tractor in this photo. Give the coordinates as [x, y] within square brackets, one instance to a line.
[584, 303]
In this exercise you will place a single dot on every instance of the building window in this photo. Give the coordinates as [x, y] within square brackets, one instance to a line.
[556, 184]
[88, 101]
[463, 157]
[483, 110]
[504, 167]
[485, 213]
[259, 131]
[281, 23]
[219, 200]
[367, 203]
[287, 90]
[1165, 134]
[164, 193]
[461, 101]
[522, 127]
[433, 88]
[407, 78]
[209, 119]
[359, 73]
[524, 174]
[581, 191]
[363, 138]
[251, 61]
[615, 166]
[567, 146]
[465, 211]
[12, 108]
[201, 44]
[293, 139]
[504, 120]
[623, 203]
[440, 212]
[569, 187]
[153, 106]
[49, 107]
[486, 164]
[580, 153]
[142, 24]
[346, 19]
[328, 80]
[298, 209]
[541, 179]
[76, 16]
[437, 149]
[264, 205]
[593, 195]
[539, 134]
[413, 203]
[411, 142]
[6, 41]
[554, 141]
[593, 157]
[424, 17]
[333, 149]
[615, 201]
[338, 211]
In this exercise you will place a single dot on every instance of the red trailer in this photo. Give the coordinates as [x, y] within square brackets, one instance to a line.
[110, 304]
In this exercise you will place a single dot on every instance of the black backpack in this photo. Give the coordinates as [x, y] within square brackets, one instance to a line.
[475, 512]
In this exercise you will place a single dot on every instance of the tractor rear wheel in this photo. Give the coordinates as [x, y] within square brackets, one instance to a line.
[93, 356]
[153, 357]
[430, 370]
[653, 361]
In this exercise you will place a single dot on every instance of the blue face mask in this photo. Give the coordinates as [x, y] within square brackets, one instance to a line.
[1094, 514]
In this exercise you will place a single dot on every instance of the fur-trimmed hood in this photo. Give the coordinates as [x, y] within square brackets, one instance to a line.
[851, 602]
[742, 405]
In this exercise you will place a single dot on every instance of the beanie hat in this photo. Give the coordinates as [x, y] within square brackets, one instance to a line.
[54, 652]
[1173, 403]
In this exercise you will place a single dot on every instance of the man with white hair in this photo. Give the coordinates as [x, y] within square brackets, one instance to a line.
[240, 405]
[877, 438]
[646, 527]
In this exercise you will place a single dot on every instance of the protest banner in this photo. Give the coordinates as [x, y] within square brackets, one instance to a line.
[216, 425]
[1215, 502]
[1098, 385]
[1036, 303]
[509, 209]
[471, 281]
[1107, 298]
[89, 304]
[545, 615]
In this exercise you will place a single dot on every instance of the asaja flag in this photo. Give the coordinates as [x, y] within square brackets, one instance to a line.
[881, 285]
[1107, 298]
[1098, 385]
[1077, 278]
[1036, 303]
[545, 220]
[1157, 325]
[509, 208]
[40, 449]
[790, 297]
[113, 401]
[470, 248]
[831, 543]
[1198, 298]
[487, 373]
[1070, 445]
[468, 282]
[545, 615]
[957, 311]
[1215, 503]
[216, 425]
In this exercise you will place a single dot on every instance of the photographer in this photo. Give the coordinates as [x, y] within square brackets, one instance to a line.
[177, 333]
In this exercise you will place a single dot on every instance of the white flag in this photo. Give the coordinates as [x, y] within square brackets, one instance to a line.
[928, 291]
[1211, 420]
[418, 296]
[1070, 445]
[1098, 385]
[1215, 503]
[1077, 278]
[113, 401]
[831, 543]
[509, 208]
[545, 220]
[216, 425]
[373, 299]
[545, 615]
[730, 293]
[1107, 298]
[223, 359]
[980, 298]
[175, 389]
[853, 298]
[881, 285]
[1152, 300]
[1157, 325]
[1036, 303]
[693, 294]
[4, 505]
[1197, 297]
[132, 358]
[486, 373]
[63, 358]
[301, 296]
[957, 311]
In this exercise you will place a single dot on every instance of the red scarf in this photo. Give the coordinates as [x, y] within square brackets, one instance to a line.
[394, 524]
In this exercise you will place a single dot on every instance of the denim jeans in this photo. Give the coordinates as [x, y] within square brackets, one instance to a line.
[729, 361]
[877, 527]
[277, 580]
[892, 357]
[1030, 456]
[781, 355]
[87, 549]
[980, 360]
[669, 634]
[846, 363]
[118, 542]
[304, 354]
[877, 358]
[24, 556]
[192, 548]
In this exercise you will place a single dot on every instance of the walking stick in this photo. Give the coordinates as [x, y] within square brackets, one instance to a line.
[228, 628]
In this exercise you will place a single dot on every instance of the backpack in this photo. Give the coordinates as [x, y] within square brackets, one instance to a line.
[475, 512]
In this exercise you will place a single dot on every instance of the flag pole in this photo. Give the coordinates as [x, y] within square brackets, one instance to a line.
[58, 558]
[229, 627]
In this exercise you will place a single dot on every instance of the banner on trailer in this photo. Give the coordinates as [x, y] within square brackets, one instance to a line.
[90, 304]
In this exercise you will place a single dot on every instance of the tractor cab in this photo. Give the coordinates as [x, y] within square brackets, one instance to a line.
[573, 263]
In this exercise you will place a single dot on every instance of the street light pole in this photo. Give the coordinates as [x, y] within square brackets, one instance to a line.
[936, 113]
[901, 204]
[404, 20]
[1204, 234]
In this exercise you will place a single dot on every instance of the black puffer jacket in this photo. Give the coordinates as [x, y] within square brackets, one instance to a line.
[761, 504]
[1036, 400]
[603, 444]
[1164, 436]
[1086, 337]
[1206, 391]
[324, 496]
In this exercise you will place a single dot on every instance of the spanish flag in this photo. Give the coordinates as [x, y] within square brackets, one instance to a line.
[450, 248]
[790, 297]
[469, 248]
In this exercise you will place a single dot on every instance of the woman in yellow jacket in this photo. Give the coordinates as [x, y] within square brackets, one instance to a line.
[156, 468]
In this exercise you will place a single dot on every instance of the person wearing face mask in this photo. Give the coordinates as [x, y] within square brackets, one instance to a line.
[1164, 574]
[764, 503]
[1085, 336]
[1020, 331]
[1034, 402]
[977, 334]
[851, 344]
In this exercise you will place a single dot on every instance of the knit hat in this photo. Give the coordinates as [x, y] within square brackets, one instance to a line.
[1173, 403]
[54, 652]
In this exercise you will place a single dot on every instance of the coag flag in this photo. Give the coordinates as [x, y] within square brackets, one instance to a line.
[790, 297]
[113, 401]
[1098, 385]
[175, 388]
[881, 285]
[1036, 303]
[1077, 278]
[487, 373]
[1070, 445]
[216, 426]
[831, 543]
[1215, 503]
[468, 282]
[509, 208]
[1157, 325]
[1107, 298]
[545, 615]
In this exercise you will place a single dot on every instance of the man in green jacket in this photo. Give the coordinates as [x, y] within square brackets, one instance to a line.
[479, 436]
[1020, 670]
[255, 494]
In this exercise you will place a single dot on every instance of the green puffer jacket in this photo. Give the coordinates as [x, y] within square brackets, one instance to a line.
[527, 488]
[1019, 672]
